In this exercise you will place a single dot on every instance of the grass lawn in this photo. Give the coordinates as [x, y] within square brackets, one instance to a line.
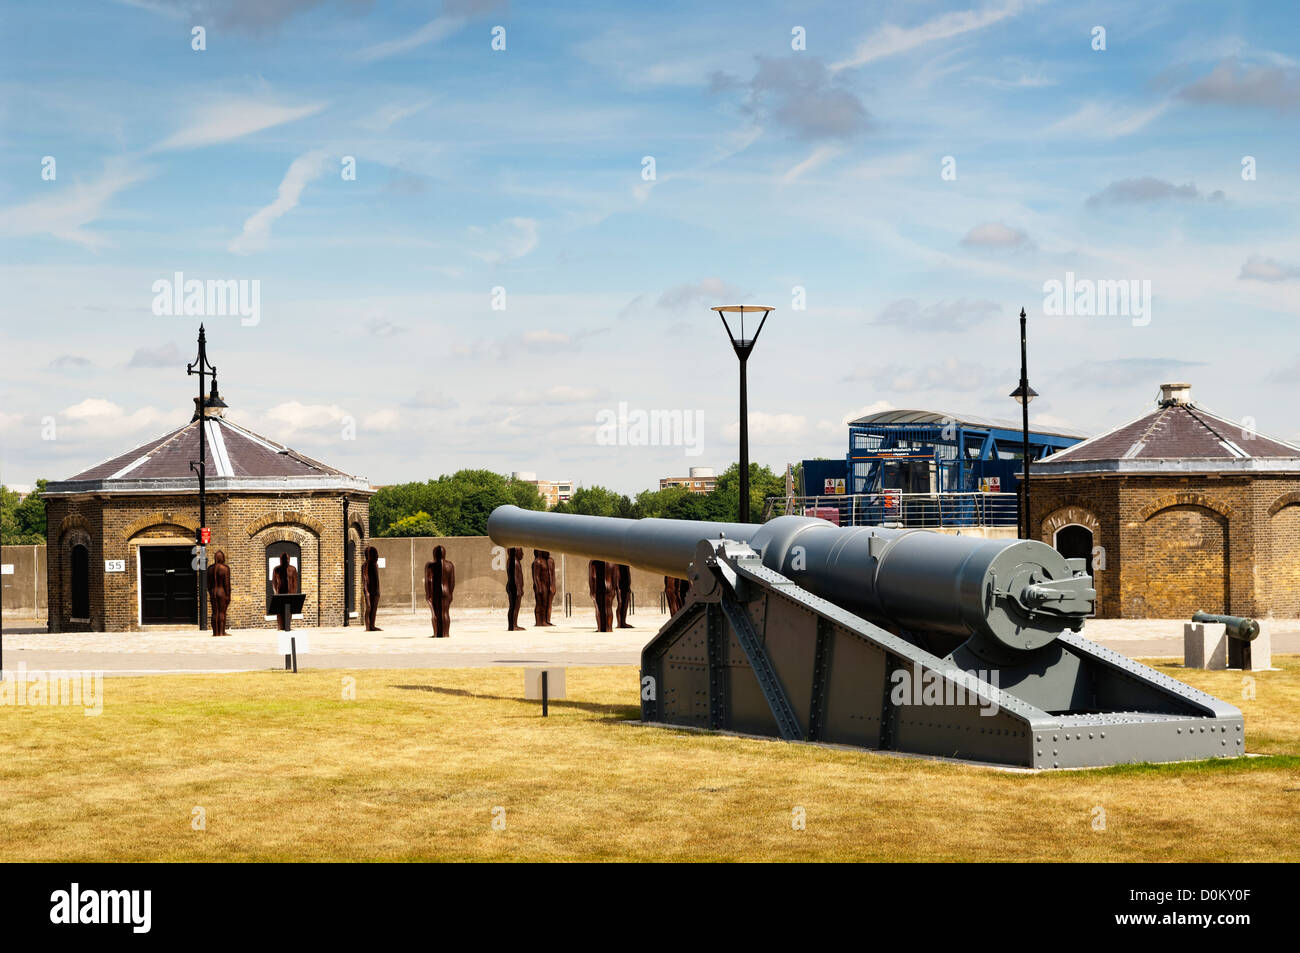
[284, 768]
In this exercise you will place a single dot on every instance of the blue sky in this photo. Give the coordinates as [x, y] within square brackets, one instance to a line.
[774, 169]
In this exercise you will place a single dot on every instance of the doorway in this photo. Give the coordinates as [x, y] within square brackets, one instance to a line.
[1075, 542]
[169, 586]
[80, 578]
[349, 578]
[273, 551]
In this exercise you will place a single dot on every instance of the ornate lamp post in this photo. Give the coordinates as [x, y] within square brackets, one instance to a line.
[201, 367]
[743, 346]
[1023, 395]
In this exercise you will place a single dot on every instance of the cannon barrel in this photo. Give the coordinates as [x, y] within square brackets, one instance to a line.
[1002, 594]
[1235, 626]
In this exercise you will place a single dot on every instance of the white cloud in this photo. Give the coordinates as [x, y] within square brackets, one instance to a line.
[97, 418]
[1098, 121]
[1259, 268]
[386, 420]
[257, 229]
[432, 32]
[710, 291]
[384, 118]
[890, 40]
[233, 119]
[995, 235]
[513, 238]
[876, 407]
[65, 211]
[817, 157]
[294, 417]
[771, 428]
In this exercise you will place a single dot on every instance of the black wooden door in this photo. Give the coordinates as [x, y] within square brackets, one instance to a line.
[169, 586]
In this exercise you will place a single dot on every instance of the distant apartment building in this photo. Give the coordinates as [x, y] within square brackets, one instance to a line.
[701, 480]
[553, 492]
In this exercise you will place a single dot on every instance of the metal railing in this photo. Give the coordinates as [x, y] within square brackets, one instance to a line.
[908, 510]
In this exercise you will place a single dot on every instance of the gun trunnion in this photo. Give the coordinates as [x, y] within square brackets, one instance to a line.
[903, 640]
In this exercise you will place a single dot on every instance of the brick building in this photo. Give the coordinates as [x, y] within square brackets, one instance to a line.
[700, 480]
[120, 534]
[1178, 510]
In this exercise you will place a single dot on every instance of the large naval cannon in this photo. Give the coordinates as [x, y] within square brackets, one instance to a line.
[902, 640]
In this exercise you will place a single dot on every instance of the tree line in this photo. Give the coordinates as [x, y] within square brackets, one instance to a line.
[459, 504]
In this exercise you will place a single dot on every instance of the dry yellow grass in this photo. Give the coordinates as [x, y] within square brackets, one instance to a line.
[286, 769]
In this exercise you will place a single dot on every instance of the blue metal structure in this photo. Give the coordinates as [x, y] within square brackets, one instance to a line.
[913, 452]
[920, 451]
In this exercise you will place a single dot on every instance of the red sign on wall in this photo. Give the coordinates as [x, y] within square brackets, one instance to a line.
[205, 535]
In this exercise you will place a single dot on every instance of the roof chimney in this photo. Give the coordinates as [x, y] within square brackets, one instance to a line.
[1176, 395]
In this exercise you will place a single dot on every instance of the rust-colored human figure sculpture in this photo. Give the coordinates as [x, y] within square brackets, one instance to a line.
[675, 591]
[602, 581]
[543, 571]
[284, 578]
[219, 592]
[514, 586]
[623, 574]
[439, 587]
[370, 588]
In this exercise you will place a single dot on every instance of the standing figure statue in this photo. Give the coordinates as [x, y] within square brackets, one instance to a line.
[514, 586]
[543, 571]
[439, 586]
[675, 591]
[219, 592]
[370, 587]
[284, 579]
[624, 575]
[602, 581]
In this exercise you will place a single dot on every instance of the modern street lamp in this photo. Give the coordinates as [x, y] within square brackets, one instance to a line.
[201, 367]
[1023, 395]
[743, 346]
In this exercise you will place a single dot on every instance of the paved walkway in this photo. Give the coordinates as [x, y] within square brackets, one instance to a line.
[477, 639]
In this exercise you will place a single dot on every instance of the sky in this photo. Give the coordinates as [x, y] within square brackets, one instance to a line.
[478, 232]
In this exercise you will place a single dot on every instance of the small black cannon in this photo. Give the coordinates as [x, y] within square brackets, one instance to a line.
[1240, 631]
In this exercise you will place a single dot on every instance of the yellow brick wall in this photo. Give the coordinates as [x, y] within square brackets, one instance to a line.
[1176, 544]
[242, 525]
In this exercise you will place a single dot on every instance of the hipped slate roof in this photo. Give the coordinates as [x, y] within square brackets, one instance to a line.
[1176, 437]
[237, 459]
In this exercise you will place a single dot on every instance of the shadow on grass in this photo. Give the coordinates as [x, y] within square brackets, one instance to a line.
[622, 712]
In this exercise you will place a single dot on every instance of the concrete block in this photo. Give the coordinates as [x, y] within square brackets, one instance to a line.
[1204, 649]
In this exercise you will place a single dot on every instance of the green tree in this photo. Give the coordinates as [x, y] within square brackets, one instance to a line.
[22, 518]
[417, 524]
[762, 484]
[597, 501]
[459, 504]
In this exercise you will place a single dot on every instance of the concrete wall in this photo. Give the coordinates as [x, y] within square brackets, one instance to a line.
[480, 585]
[24, 587]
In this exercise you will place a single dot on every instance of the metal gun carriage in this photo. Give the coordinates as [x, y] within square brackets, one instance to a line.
[902, 640]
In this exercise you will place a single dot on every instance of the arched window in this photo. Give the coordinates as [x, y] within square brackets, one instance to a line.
[273, 552]
[1075, 542]
[79, 579]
